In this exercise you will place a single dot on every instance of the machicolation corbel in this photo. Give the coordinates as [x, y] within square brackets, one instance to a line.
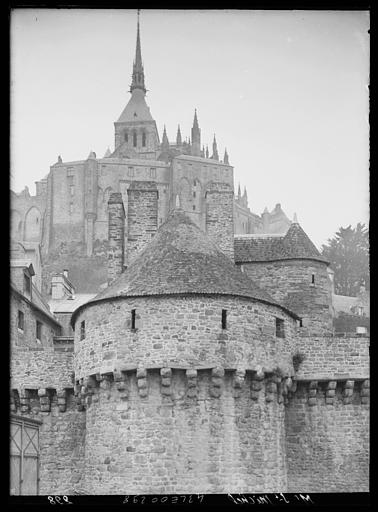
[44, 400]
[142, 382]
[166, 378]
[348, 391]
[331, 392]
[217, 375]
[312, 400]
[365, 391]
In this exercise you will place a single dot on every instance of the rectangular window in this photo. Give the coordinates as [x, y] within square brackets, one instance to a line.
[38, 330]
[153, 172]
[70, 172]
[20, 320]
[224, 318]
[131, 172]
[280, 328]
[133, 314]
[27, 284]
[313, 279]
[82, 330]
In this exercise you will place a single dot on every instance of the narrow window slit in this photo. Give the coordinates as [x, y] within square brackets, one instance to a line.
[224, 318]
[133, 311]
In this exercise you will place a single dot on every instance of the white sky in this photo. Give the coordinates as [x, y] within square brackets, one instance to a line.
[285, 92]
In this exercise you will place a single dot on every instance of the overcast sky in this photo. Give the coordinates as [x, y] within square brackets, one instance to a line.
[285, 92]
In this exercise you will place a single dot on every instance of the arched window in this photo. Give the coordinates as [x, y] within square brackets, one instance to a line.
[144, 139]
[135, 139]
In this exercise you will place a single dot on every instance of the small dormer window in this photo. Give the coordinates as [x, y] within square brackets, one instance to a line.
[82, 330]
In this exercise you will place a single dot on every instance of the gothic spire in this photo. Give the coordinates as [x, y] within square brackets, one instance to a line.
[178, 136]
[138, 71]
[239, 192]
[225, 158]
[196, 136]
[215, 155]
[165, 138]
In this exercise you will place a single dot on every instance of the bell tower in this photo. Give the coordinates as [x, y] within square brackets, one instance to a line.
[136, 134]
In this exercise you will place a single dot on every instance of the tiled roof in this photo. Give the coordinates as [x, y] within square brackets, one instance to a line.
[294, 245]
[181, 259]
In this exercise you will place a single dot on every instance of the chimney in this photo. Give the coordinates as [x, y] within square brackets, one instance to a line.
[61, 287]
[116, 236]
[142, 216]
[220, 216]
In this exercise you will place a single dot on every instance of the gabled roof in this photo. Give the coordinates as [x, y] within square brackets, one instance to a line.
[181, 259]
[294, 245]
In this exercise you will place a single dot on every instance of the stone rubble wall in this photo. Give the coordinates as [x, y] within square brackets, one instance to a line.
[176, 330]
[327, 436]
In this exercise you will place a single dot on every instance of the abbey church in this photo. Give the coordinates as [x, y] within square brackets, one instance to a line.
[165, 339]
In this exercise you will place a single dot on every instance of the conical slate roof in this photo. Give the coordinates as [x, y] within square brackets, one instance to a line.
[294, 245]
[181, 259]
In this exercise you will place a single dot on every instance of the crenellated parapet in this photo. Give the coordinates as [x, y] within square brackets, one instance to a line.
[169, 385]
[34, 401]
[331, 392]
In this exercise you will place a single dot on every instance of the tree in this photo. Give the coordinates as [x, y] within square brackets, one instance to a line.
[348, 254]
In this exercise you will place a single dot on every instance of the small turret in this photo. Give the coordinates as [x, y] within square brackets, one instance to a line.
[178, 136]
[215, 155]
[165, 142]
[239, 193]
[196, 136]
[225, 158]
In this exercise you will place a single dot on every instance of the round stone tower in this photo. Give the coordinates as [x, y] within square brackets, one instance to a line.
[182, 365]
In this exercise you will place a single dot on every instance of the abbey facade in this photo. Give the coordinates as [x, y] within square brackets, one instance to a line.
[197, 353]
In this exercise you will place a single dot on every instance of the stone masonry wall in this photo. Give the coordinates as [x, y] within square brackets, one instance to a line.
[116, 236]
[176, 431]
[220, 217]
[182, 331]
[333, 357]
[327, 437]
[142, 216]
[289, 282]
